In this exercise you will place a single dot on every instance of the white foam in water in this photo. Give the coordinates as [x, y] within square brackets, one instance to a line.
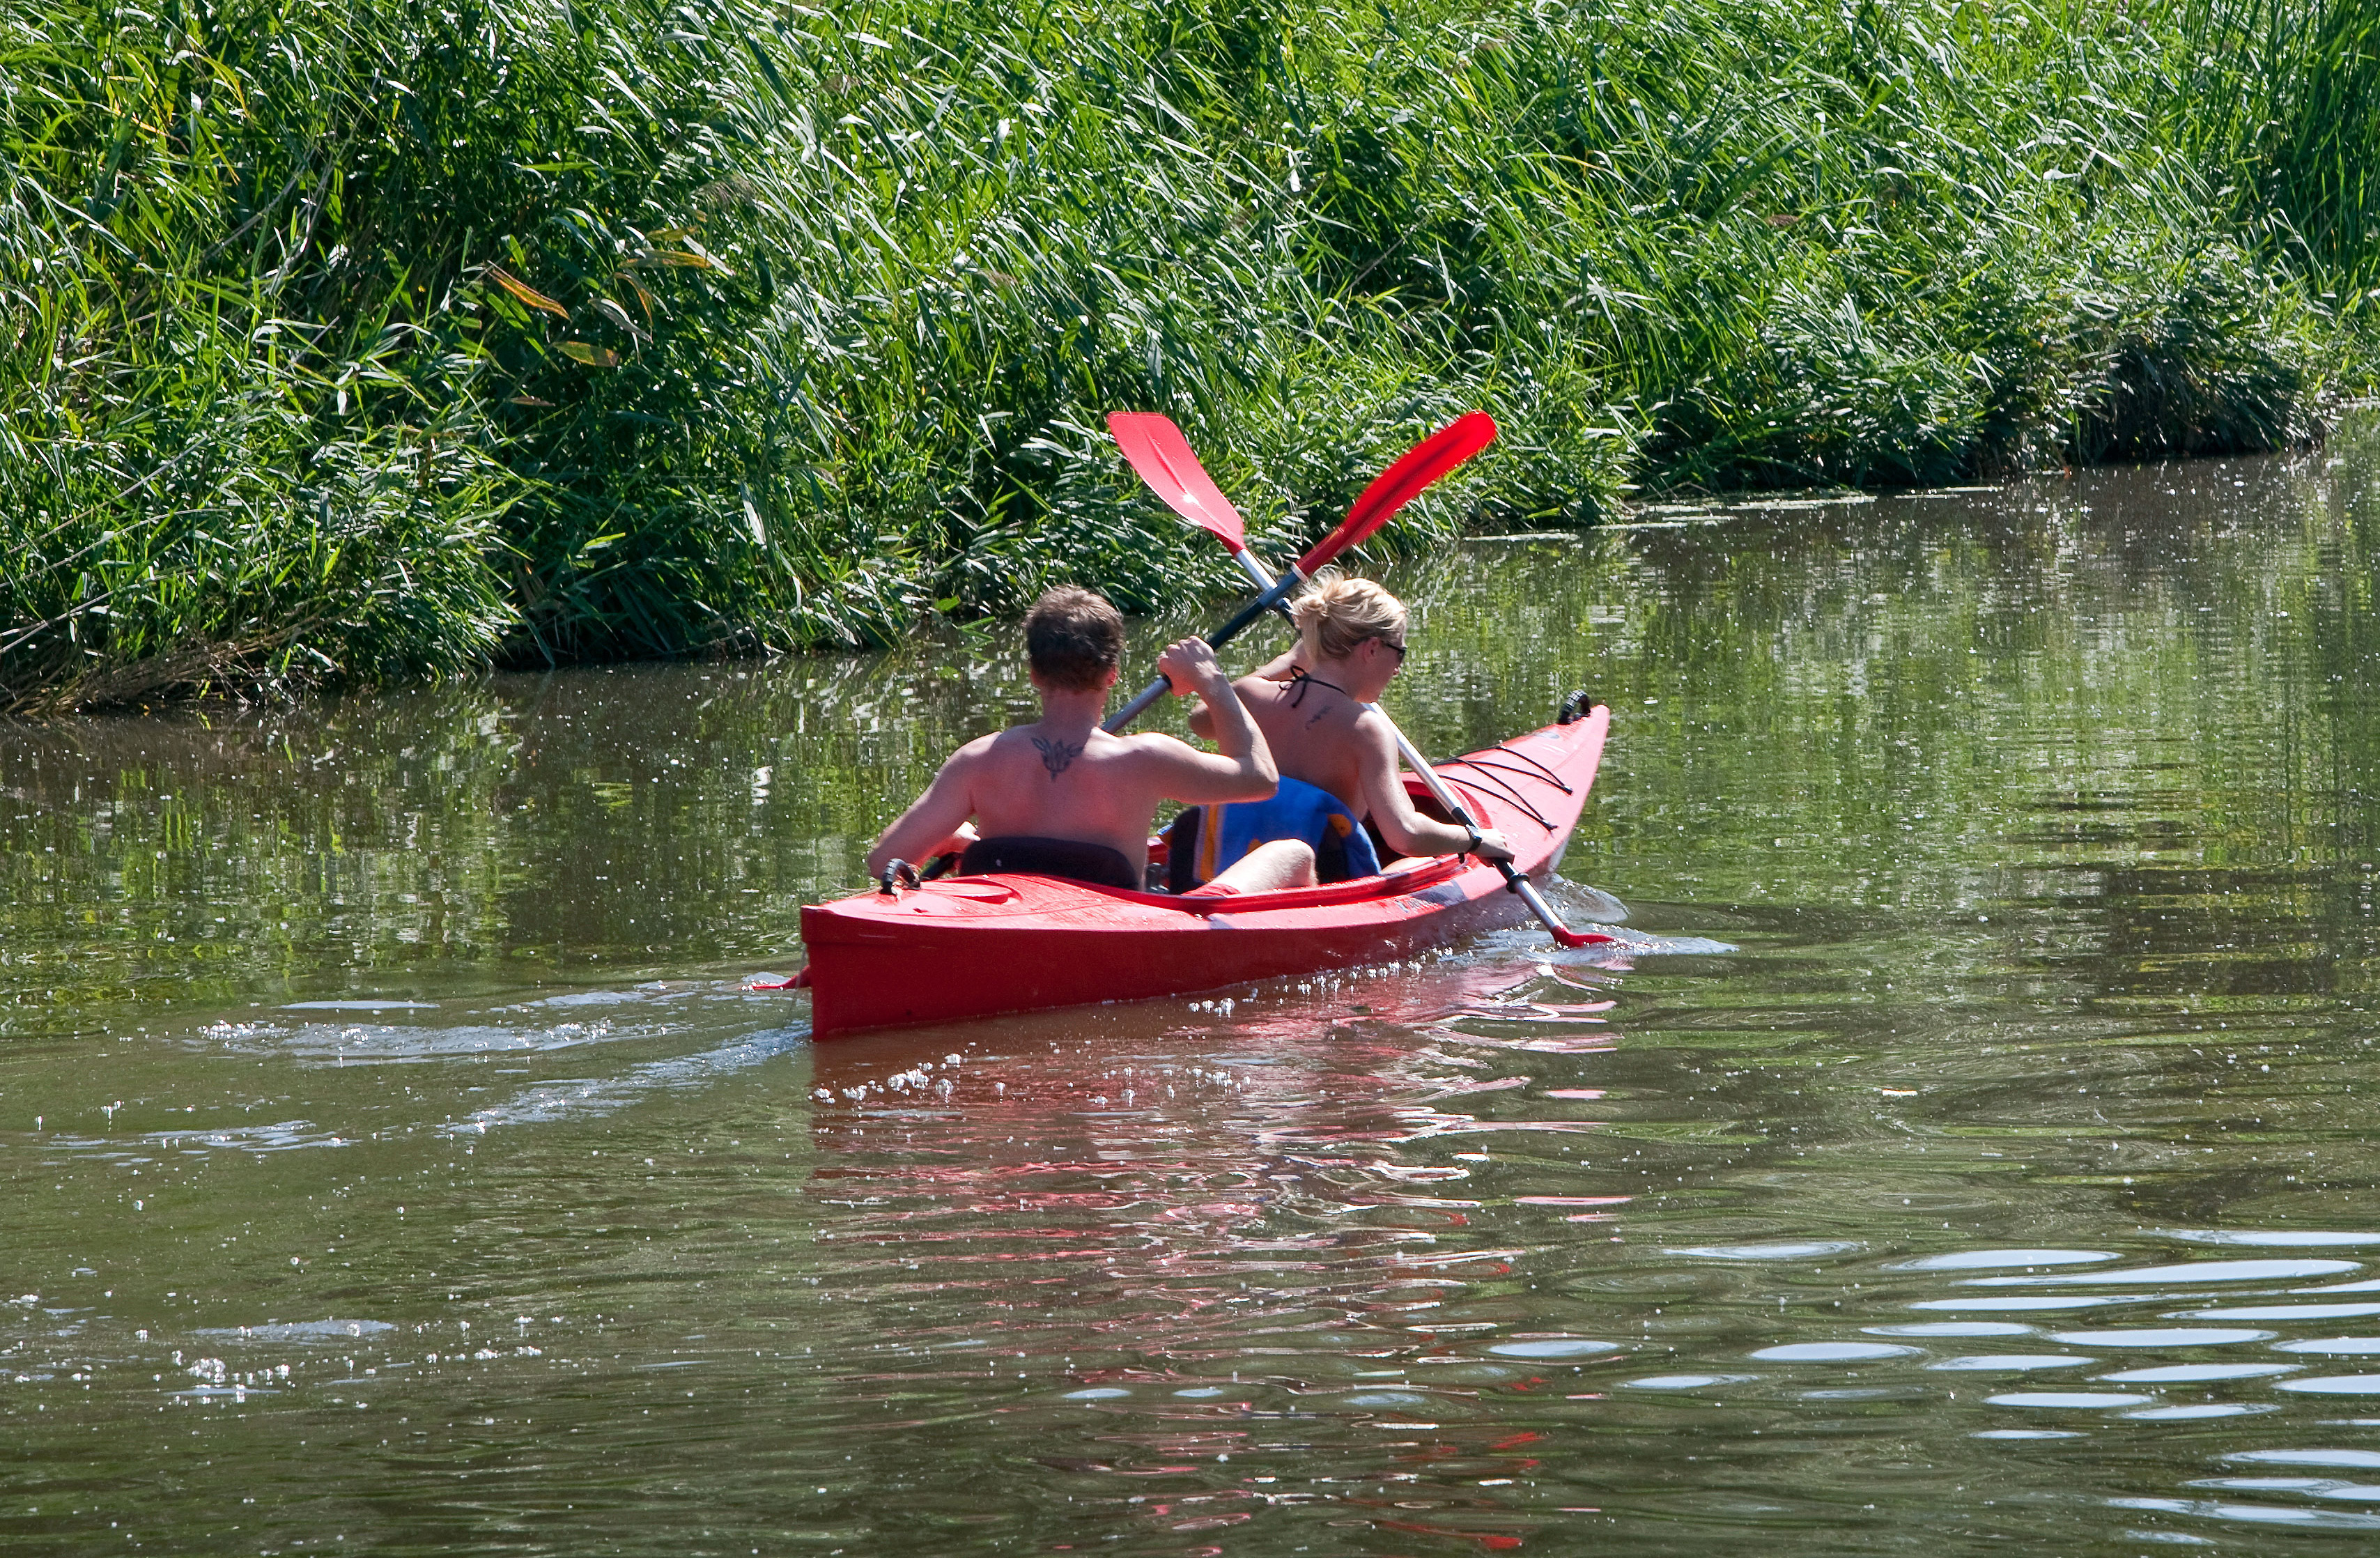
[2188, 1272]
[2187, 1373]
[1782, 1250]
[2272, 1238]
[2076, 1400]
[1979, 1259]
[1638, 943]
[2307, 1457]
[281, 1136]
[2285, 1311]
[2254, 1513]
[1832, 1352]
[361, 1006]
[298, 1331]
[2334, 1384]
[1685, 1381]
[1996, 1304]
[2320, 1486]
[399, 1043]
[2164, 1336]
[1552, 1347]
[582, 1097]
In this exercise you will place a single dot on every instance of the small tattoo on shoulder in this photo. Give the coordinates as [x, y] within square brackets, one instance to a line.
[1057, 756]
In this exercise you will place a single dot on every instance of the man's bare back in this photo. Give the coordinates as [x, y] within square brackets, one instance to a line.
[1062, 777]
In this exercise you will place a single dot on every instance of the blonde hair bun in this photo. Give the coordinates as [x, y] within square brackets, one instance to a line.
[1338, 613]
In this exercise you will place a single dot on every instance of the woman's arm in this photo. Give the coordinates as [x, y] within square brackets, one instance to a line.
[1406, 830]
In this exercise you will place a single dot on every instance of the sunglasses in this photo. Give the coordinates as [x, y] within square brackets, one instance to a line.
[1399, 647]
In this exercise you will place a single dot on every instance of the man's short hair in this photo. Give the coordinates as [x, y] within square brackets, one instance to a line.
[1072, 638]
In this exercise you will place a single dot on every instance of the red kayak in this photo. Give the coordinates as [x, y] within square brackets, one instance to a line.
[969, 946]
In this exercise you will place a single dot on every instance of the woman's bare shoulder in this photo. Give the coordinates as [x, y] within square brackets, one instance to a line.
[1373, 731]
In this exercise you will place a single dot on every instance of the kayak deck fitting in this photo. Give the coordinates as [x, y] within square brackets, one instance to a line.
[971, 946]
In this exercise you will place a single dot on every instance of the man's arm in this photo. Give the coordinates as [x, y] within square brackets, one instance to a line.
[927, 828]
[1202, 721]
[1243, 769]
[1407, 831]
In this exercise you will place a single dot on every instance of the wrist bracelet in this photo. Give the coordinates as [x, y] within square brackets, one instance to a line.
[1473, 831]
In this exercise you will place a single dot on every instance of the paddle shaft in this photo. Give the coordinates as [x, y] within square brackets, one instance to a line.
[1274, 593]
[1514, 881]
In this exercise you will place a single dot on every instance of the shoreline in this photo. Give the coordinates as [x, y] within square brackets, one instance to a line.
[2361, 414]
[768, 333]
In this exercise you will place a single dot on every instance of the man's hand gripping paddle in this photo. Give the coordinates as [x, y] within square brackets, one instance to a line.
[1157, 449]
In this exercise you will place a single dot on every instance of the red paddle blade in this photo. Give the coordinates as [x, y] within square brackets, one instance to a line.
[1402, 482]
[1156, 450]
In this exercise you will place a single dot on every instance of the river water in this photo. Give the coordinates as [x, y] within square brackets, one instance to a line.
[1967, 1147]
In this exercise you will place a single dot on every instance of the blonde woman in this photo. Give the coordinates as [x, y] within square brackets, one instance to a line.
[1337, 758]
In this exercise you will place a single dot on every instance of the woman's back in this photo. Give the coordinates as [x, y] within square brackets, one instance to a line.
[1310, 725]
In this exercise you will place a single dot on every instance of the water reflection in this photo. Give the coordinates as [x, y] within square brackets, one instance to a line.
[1966, 1146]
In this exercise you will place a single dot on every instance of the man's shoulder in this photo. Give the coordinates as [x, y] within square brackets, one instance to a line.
[1154, 748]
[976, 749]
[1152, 741]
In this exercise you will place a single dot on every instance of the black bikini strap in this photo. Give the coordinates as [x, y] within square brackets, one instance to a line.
[1302, 679]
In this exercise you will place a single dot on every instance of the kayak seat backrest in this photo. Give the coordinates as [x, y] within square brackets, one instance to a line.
[1175, 850]
[1180, 852]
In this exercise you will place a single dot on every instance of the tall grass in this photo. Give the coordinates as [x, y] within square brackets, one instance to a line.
[351, 338]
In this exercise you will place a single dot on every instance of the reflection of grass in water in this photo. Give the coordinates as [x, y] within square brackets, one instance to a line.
[430, 336]
[432, 844]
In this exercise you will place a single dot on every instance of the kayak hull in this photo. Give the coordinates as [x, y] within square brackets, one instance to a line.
[973, 946]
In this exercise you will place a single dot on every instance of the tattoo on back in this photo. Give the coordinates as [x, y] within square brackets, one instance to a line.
[1057, 756]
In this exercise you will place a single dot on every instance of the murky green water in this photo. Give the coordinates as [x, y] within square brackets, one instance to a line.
[391, 1161]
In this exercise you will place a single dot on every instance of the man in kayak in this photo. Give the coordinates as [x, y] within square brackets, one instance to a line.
[1338, 759]
[1063, 797]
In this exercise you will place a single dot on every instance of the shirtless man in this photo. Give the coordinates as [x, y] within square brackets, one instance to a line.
[1310, 705]
[1063, 797]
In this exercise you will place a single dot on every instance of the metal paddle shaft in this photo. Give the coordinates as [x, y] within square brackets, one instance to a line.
[1271, 599]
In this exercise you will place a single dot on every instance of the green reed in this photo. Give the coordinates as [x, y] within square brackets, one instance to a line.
[365, 340]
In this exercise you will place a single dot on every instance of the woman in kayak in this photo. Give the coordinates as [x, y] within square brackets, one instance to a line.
[1063, 797]
[1338, 757]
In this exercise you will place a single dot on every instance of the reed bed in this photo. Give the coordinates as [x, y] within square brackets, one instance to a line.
[355, 340]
